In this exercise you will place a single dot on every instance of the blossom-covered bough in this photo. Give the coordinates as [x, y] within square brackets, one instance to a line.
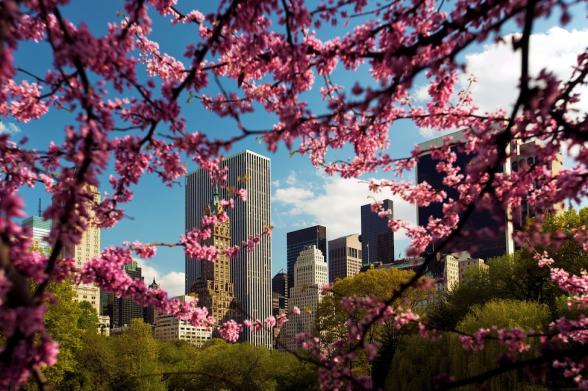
[266, 54]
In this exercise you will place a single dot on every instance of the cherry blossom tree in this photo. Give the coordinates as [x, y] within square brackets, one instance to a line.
[265, 55]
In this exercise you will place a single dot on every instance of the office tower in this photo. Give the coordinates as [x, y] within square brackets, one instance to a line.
[168, 328]
[39, 229]
[280, 292]
[86, 249]
[486, 233]
[377, 240]
[456, 265]
[310, 274]
[213, 287]
[149, 311]
[344, 257]
[296, 241]
[250, 270]
[122, 309]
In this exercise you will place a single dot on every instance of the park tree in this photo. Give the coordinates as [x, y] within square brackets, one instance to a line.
[517, 276]
[126, 97]
[420, 362]
[61, 321]
[136, 359]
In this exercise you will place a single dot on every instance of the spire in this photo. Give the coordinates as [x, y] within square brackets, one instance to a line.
[39, 212]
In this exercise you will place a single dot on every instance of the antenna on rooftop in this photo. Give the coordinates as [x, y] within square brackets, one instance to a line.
[39, 212]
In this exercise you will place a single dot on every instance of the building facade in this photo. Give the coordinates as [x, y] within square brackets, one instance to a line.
[213, 287]
[86, 249]
[456, 266]
[280, 293]
[122, 309]
[310, 275]
[168, 328]
[297, 241]
[377, 240]
[149, 311]
[250, 270]
[344, 257]
[486, 233]
[39, 229]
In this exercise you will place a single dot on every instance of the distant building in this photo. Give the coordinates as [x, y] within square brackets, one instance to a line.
[344, 257]
[456, 266]
[168, 328]
[310, 275]
[250, 270]
[296, 241]
[279, 293]
[377, 239]
[122, 309]
[104, 325]
[39, 229]
[213, 287]
[149, 311]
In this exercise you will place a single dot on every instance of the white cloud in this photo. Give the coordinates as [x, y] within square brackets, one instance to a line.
[172, 282]
[497, 70]
[8, 128]
[497, 67]
[336, 204]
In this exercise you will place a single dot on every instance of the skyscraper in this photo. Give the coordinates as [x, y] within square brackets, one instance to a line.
[486, 233]
[280, 291]
[377, 240]
[296, 241]
[310, 274]
[86, 249]
[344, 257]
[40, 229]
[214, 288]
[250, 270]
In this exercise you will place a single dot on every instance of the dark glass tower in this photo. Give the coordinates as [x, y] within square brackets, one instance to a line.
[484, 235]
[377, 240]
[297, 240]
[280, 292]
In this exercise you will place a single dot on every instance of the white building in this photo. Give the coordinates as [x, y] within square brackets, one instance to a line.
[456, 266]
[169, 328]
[310, 275]
[250, 270]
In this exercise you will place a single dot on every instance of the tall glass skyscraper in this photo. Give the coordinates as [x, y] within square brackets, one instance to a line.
[377, 240]
[250, 270]
[296, 241]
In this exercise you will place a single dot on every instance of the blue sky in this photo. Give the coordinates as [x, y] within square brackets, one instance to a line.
[301, 195]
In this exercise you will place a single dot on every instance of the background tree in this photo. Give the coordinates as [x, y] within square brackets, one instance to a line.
[419, 362]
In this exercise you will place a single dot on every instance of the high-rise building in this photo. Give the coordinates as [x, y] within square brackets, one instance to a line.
[168, 328]
[122, 309]
[86, 249]
[280, 292]
[310, 274]
[296, 241]
[486, 233]
[344, 257]
[250, 270]
[377, 239]
[213, 287]
[40, 229]
[149, 311]
[456, 265]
